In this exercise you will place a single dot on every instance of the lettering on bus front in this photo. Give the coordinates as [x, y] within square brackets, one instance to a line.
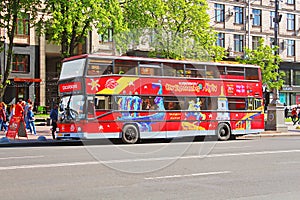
[70, 87]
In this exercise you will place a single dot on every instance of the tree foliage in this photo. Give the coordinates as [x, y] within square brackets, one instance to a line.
[10, 12]
[265, 57]
[70, 21]
[172, 29]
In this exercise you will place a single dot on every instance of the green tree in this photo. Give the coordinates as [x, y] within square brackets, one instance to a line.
[172, 29]
[10, 12]
[70, 21]
[265, 57]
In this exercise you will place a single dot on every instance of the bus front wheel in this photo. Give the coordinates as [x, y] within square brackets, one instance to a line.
[130, 134]
[223, 132]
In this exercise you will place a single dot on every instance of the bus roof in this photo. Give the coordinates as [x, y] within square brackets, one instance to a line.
[132, 58]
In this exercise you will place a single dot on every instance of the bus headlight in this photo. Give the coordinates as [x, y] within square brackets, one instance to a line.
[57, 129]
[79, 129]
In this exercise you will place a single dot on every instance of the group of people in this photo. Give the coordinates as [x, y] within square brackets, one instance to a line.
[24, 112]
[21, 110]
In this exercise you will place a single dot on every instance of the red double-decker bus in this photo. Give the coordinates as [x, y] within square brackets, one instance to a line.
[135, 98]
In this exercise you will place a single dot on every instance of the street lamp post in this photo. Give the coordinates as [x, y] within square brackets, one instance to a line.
[276, 119]
[276, 25]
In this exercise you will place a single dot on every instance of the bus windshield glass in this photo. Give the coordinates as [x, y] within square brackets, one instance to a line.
[71, 69]
[71, 108]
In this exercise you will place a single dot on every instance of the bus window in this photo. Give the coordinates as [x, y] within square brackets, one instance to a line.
[236, 104]
[235, 72]
[150, 68]
[174, 69]
[126, 67]
[94, 70]
[221, 70]
[212, 72]
[90, 107]
[102, 102]
[212, 103]
[108, 70]
[250, 104]
[99, 67]
[196, 70]
[252, 74]
[71, 69]
[174, 103]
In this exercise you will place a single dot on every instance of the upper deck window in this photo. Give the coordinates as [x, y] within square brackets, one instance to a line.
[150, 69]
[126, 67]
[173, 69]
[99, 67]
[252, 74]
[73, 68]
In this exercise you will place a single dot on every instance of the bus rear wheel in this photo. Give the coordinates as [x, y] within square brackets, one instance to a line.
[130, 134]
[223, 132]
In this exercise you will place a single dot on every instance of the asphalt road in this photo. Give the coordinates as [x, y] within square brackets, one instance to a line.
[256, 168]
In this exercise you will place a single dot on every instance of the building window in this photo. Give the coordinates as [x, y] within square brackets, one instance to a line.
[238, 15]
[238, 43]
[107, 36]
[255, 42]
[290, 2]
[256, 17]
[290, 47]
[272, 18]
[287, 77]
[219, 12]
[290, 22]
[22, 24]
[221, 39]
[20, 63]
[296, 77]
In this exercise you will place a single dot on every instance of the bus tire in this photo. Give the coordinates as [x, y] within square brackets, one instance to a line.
[223, 132]
[130, 134]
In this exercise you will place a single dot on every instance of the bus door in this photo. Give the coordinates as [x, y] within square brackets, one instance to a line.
[100, 119]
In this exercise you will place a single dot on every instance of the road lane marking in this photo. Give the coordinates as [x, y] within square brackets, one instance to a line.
[186, 175]
[243, 147]
[144, 160]
[48, 165]
[21, 157]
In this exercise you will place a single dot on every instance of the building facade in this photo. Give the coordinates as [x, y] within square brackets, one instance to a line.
[242, 23]
[24, 79]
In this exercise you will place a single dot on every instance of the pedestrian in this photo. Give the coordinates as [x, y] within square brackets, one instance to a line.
[294, 115]
[19, 110]
[54, 118]
[2, 118]
[31, 119]
[4, 122]
[298, 118]
[28, 103]
[286, 111]
[11, 111]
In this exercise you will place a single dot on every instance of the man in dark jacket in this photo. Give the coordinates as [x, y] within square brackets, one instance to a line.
[54, 117]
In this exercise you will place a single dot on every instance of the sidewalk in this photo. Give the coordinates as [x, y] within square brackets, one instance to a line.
[40, 130]
[293, 130]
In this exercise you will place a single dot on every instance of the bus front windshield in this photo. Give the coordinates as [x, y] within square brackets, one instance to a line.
[71, 108]
[73, 68]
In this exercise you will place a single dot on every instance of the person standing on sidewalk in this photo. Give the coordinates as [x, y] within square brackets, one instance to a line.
[30, 116]
[2, 118]
[294, 116]
[54, 117]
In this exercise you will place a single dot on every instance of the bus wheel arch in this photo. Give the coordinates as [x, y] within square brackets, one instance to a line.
[223, 131]
[130, 134]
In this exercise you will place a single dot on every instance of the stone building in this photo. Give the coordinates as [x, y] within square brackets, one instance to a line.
[241, 23]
